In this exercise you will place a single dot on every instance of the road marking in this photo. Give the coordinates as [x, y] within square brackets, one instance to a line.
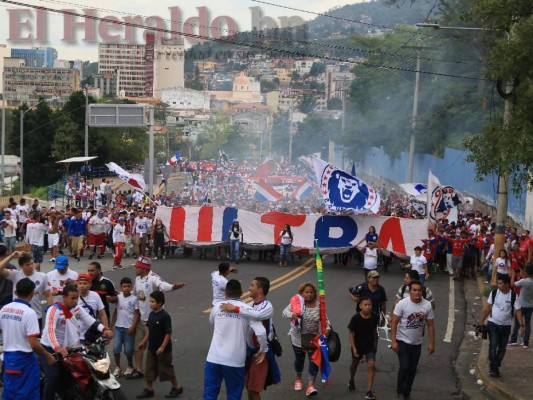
[451, 313]
[296, 272]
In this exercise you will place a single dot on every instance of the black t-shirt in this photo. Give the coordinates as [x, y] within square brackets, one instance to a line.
[104, 287]
[365, 333]
[376, 296]
[159, 324]
[6, 286]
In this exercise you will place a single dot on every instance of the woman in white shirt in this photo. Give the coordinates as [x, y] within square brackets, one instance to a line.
[420, 264]
[502, 264]
[285, 242]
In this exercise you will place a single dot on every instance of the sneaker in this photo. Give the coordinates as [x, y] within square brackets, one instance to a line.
[146, 394]
[136, 375]
[164, 257]
[486, 282]
[99, 256]
[370, 395]
[128, 371]
[351, 386]
[495, 373]
[174, 392]
[52, 260]
[512, 343]
[115, 267]
[154, 258]
[77, 259]
[117, 372]
[311, 391]
[525, 346]
[298, 385]
[91, 256]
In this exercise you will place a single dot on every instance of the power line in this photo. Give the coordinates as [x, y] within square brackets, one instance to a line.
[234, 42]
[280, 39]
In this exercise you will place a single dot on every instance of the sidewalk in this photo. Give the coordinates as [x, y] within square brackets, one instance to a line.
[516, 382]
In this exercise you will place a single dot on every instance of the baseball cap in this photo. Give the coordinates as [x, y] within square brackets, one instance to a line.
[373, 274]
[144, 262]
[85, 278]
[61, 262]
[121, 219]
[235, 221]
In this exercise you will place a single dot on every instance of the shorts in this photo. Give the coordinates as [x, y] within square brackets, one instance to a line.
[140, 332]
[37, 253]
[121, 338]
[77, 242]
[457, 262]
[53, 240]
[159, 367]
[256, 376]
[96, 240]
[368, 356]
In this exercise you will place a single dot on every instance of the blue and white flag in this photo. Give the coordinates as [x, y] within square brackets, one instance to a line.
[441, 199]
[419, 190]
[303, 191]
[265, 192]
[344, 192]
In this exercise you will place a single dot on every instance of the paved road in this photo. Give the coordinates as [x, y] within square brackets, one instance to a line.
[192, 332]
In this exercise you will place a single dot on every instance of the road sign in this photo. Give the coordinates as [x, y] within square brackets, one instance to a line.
[117, 115]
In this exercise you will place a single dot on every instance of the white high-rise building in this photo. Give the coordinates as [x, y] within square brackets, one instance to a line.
[169, 66]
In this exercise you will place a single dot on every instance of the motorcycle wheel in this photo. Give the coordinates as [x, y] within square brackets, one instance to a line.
[114, 394]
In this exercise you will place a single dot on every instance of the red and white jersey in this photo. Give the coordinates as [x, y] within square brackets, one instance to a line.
[18, 322]
[99, 225]
[141, 225]
[144, 287]
[56, 282]
[61, 326]
[119, 233]
[35, 233]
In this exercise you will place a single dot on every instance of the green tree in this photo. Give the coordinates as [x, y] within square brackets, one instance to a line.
[220, 133]
[314, 133]
[334, 104]
[268, 86]
[307, 103]
[66, 138]
[317, 68]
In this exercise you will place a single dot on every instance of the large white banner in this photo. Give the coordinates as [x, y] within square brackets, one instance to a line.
[209, 225]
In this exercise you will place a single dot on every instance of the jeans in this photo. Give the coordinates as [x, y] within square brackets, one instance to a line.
[233, 376]
[52, 373]
[498, 337]
[122, 338]
[526, 312]
[408, 355]
[10, 242]
[284, 250]
[299, 360]
[489, 271]
[234, 253]
[422, 279]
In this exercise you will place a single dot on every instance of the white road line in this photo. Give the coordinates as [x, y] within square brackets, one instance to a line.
[451, 313]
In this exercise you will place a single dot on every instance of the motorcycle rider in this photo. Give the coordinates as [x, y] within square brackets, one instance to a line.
[61, 330]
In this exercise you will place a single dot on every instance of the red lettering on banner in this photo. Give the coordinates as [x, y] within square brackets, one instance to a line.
[177, 223]
[279, 220]
[205, 224]
[391, 231]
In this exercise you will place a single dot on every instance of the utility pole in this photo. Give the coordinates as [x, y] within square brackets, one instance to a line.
[412, 142]
[21, 187]
[151, 154]
[86, 121]
[290, 136]
[3, 144]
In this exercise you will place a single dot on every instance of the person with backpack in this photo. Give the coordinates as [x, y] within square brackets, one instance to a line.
[501, 304]
[403, 291]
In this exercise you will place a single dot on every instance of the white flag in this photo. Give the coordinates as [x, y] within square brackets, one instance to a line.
[419, 190]
[441, 199]
[344, 192]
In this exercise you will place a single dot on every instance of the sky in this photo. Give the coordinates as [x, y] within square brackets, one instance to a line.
[22, 27]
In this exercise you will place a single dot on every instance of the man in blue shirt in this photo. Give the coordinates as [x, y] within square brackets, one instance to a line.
[77, 232]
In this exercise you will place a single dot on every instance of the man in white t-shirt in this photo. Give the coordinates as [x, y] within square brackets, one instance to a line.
[42, 291]
[91, 302]
[371, 258]
[419, 263]
[219, 280]
[57, 279]
[98, 227]
[35, 231]
[21, 341]
[407, 328]
[502, 306]
[227, 353]
[140, 233]
[10, 231]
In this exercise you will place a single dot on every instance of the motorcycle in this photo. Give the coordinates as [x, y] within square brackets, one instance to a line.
[86, 373]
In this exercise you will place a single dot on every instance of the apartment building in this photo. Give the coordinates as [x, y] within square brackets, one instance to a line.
[42, 57]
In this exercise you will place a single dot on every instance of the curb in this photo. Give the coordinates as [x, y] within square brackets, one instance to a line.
[494, 385]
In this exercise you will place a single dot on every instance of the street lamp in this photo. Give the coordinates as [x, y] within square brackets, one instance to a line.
[22, 113]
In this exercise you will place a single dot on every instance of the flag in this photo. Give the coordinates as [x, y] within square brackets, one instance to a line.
[419, 206]
[419, 190]
[265, 192]
[303, 190]
[267, 168]
[134, 180]
[174, 159]
[321, 357]
[223, 159]
[344, 192]
[441, 199]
